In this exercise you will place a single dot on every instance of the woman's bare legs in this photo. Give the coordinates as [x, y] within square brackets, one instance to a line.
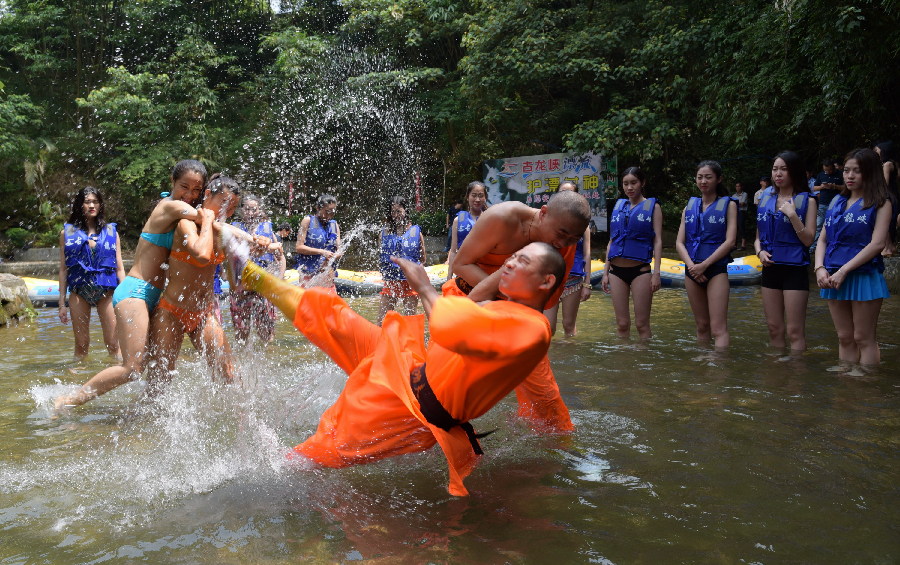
[132, 321]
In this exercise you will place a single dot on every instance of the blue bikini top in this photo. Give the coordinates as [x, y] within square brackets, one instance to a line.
[160, 239]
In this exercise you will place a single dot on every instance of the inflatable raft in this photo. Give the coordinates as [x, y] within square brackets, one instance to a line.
[743, 271]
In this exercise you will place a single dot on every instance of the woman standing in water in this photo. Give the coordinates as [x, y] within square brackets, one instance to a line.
[249, 310]
[786, 226]
[475, 204]
[188, 304]
[136, 297]
[578, 283]
[90, 267]
[705, 240]
[848, 257]
[398, 239]
[635, 236]
[318, 241]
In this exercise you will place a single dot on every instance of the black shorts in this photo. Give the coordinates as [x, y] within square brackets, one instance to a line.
[786, 277]
[708, 273]
[628, 274]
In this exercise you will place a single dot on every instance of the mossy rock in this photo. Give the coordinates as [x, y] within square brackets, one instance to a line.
[14, 301]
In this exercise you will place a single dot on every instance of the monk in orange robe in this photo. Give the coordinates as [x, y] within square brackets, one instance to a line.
[401, 396]
[502, 230]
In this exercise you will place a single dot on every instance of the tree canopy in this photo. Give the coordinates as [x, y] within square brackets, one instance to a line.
[358, 97]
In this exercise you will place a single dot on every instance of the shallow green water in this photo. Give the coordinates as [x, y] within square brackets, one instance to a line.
[679, 457]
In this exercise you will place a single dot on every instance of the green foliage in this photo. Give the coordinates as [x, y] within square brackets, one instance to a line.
[432, 223]
[125, 89]
[19, 237]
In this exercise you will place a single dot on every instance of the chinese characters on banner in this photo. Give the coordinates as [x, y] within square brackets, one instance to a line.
[534, 179]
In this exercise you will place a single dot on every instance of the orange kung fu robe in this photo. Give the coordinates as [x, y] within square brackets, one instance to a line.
[477, 355]
[538, 396]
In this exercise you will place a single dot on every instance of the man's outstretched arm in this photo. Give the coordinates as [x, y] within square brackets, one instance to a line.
[418, 279]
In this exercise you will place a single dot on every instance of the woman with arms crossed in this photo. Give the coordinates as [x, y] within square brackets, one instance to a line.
[786, 225]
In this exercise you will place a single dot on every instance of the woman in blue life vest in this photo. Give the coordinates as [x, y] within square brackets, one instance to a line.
[475, 203]
[249, 310]
[705, 239]
[318, 242]
[635, 238]
[578, 283]
[786, 226]
[137, 295]
[90, 268]
[848, 259]
[399, 238]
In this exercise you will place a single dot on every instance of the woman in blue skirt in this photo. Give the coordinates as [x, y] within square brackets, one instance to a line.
[848, 257]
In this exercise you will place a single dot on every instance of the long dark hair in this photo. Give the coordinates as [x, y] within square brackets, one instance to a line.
[717, 169]
[795, 169]
[874, 191]
[77, 219]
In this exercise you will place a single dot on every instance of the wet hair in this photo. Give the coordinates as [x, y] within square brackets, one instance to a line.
[874, 191]
[325, 199]
[220, 183]
[795, 169]
[472, 186]
[573, 205]
[76, 218]
[552, 263]
[389, 217]
[188, 166]
[716, 168]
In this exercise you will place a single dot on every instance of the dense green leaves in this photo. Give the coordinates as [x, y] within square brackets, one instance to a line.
[325, 93]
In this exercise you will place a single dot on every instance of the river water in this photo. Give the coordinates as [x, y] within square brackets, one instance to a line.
[680, 456]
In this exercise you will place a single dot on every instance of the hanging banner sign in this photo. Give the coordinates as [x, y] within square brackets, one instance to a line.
[535, 178]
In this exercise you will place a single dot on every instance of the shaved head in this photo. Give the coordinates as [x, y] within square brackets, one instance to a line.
[573, 206]
[552, 263]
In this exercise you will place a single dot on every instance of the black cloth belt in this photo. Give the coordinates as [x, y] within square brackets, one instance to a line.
[435, 413]
[464, 286]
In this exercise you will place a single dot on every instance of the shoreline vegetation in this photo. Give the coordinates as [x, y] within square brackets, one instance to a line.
[361, 99]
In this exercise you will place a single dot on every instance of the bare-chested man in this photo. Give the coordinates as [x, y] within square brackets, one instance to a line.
[502, 230]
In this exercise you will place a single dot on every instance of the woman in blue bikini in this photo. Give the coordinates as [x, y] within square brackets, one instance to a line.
[136, 297]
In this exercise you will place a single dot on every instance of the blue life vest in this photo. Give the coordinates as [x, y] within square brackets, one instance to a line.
[264, 229]
[847, 232]
[705, 231]
[407, 246]
[777, 234]
[320, 238]
[464, 224]
[578, 265]
[85, 265]
[631, 230]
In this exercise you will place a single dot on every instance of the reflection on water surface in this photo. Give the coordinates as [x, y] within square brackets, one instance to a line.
[680, 456]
